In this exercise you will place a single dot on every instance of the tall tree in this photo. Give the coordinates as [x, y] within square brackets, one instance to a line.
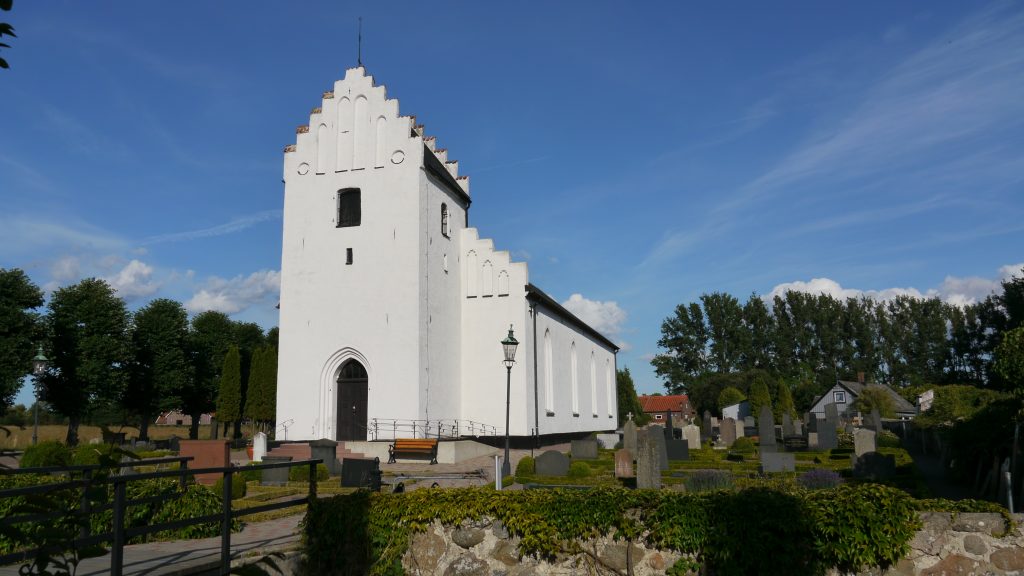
[783, 402]
[760, 327]
[88, 327]
[19, 331]
[685, 337]
[1009, 362]
[160, 367]
[211, 335]
[229, 401]
[759, 396]
[248, 336]
[729, 396]
[725, 326]
[628, 403]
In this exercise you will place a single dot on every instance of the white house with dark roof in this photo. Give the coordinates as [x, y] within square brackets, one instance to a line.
[845, 392]
[393, 308]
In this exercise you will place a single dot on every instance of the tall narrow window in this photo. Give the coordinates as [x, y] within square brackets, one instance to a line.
[549, 381]
[593, 386]
[444, 220]
[349, 212]
[609, 384]
[575, 380]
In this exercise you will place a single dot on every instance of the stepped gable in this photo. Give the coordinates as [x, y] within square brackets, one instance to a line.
[357, 127]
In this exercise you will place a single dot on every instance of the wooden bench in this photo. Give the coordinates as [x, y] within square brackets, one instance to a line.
[414, 447]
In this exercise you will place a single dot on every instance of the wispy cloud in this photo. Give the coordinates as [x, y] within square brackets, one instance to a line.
[234, 225]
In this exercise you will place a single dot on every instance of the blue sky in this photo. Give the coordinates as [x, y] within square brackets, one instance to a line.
[636, 155]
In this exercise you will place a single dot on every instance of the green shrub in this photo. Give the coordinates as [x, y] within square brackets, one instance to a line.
[707, 480]
[48, 453]
[819, 479]
[508, 480]
[743, 445]
[194, 502]
[845, 440]
[254, 475]
[579, 470]
[238, 487]
[89, 454]
[525, 467]
[301, 473]
[888, 439]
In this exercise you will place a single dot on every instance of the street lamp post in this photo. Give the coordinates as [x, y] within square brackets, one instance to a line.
[509, 346]
[39, 364]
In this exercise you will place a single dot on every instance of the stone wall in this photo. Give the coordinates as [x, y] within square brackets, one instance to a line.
[947, 544]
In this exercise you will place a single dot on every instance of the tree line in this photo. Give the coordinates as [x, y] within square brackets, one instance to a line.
[805, 342]
[103, 357]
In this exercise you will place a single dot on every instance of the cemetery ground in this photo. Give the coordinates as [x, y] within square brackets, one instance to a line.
[18, 437]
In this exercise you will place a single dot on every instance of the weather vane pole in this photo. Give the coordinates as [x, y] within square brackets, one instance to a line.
[359, 54]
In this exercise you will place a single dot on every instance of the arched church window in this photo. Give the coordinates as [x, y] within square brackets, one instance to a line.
[352, 370]
[444, 220]
[349, 212]
[574, 370]
[549, 385]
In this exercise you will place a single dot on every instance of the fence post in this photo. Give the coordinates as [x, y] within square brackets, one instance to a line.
[183, 466]
[117, 552]
[225, 526]
[85, 528]
[312, 482]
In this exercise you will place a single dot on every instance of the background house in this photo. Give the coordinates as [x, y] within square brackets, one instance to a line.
[844, 393]
[658, 406]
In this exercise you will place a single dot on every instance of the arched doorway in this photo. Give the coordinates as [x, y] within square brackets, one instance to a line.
[352, 387]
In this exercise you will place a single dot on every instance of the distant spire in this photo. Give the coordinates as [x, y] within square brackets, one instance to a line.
[359, 55]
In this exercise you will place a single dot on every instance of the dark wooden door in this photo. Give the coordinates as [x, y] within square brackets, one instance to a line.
[352, 392]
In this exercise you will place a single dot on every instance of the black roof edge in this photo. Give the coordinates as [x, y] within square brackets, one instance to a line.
[434, 166]
[535, 294]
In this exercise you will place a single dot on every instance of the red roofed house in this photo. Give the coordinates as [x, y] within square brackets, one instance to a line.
[657, 406]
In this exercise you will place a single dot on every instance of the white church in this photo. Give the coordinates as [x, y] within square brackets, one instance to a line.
[393, 308]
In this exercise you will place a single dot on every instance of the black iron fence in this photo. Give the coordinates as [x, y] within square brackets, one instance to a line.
[119, 535]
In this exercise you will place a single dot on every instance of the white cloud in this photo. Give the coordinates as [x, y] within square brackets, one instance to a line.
[135, 280]
[960, 291]
[237, 294]
[66, 268]
[605, 317]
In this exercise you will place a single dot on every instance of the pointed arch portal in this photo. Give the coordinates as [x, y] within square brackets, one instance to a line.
[352, 383]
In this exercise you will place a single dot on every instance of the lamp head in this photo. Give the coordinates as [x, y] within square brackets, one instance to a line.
[509, 345]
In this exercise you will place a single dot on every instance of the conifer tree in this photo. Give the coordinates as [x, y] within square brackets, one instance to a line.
[759, 396]
[229, 400]
[254, 391]
[784, 402]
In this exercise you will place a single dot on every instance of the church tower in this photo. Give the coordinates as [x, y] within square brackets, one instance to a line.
[370, 282]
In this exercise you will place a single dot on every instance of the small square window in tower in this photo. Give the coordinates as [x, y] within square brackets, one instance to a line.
[349, 212]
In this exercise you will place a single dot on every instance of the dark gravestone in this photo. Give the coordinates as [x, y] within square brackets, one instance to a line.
[875, 420]
[623, 464]
[874, 466]
[648, 469]
[174, 444]
[727, 431]
[811, 422]
[360, 473]
[749, 422]
[214, 429]
[777, 462]
[326, 450]
[787, 425]
[677, 450]
[705, 429]
[584, 449]
[669, 430]
[629, 436]
[275, 476]
[551, 463]
[828, 437]
[657, 434]
[766, 429]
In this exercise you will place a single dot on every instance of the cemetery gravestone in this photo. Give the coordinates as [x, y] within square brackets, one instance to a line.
[326, 450]
[812, 440]
[740, 429]
[749, 422]
[766, 429]
[777, 462]
[811, 420]
[728, 432]
[648, 468]
[706, 428]
[629, 436]
[798, 428]
[551, 463]
[864, 441]
[661, 444]
[275, 476]
[259, 447]
[787, 425]
[677, 450]
[875, 420]
[585, 449]
[692, 435]
[874, 466]
[623, 464]
[360, 473]
[828, 438]
[669, 430]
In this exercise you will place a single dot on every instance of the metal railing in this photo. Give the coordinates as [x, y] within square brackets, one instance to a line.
[392, 428]
[119, 534]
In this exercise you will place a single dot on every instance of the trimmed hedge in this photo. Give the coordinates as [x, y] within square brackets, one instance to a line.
[47, 453]
[752, 531]
[301, 473]
[238, 486]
